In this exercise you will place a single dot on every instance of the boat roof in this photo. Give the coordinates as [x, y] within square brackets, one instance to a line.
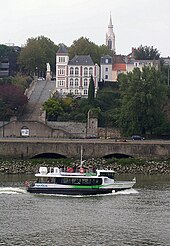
[55, 172]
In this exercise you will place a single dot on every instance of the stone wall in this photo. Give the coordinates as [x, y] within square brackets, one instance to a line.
[74, 128]
[109, 133]
[55, 129]
[36, 129]
[146, 168]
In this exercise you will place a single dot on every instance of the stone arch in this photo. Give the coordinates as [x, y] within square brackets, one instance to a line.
[49, 155]
[117, 155]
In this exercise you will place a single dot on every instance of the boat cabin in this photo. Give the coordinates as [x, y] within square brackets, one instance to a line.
[106, 173]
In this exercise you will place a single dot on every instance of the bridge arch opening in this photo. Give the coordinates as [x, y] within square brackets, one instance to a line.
[48, 156]
[117, 155]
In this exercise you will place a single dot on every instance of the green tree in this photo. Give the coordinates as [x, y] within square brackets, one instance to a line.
[53, 109]
[37, 52]
[83, 46]
[21, 81]
[12, 99]
[146, 53]
[107, 98]
[143, 95]
[91, 91]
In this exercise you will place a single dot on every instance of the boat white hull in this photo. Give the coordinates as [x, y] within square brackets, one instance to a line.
[81, 191]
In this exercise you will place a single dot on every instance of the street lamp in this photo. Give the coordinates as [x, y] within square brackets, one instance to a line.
[36, 71]
[49, 93]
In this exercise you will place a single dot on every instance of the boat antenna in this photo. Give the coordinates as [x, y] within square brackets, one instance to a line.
[81, 156]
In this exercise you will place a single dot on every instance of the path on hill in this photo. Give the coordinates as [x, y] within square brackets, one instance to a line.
[39, 95]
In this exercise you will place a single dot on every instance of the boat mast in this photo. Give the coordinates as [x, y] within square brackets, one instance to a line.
[81, 156]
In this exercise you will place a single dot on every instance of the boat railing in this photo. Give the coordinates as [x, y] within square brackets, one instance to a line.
[67, 171]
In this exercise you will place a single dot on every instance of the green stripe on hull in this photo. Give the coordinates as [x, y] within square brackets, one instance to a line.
[86, 186]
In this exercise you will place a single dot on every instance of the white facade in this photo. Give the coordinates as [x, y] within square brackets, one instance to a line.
[61, 72]
[79, 78]
[73, 76]
[106, 68]
[140, 64]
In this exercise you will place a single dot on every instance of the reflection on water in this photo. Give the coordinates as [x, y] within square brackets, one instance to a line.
[136, 217]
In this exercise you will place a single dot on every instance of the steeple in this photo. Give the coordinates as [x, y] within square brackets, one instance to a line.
[110, 36]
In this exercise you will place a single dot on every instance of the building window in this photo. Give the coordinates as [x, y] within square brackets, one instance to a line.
[106, 76]
[106, 60]
[61, 59]
[76, 71]
[85, 82]
[61, 71]
[71, 82]
[61, 82]
[71, 71]
[76, 82]
[76, 92]
[106, 69]
[85, 92]
[90, 71]
[85, 71]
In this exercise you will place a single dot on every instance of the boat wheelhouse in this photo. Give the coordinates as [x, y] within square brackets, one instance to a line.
[55, 181]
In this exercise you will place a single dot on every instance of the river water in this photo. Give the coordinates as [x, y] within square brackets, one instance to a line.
[140, 216]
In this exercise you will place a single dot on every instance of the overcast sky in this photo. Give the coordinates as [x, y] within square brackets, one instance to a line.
[135, 22]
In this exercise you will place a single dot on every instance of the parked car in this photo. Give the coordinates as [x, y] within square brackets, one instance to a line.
[137, 137]
[41, 78]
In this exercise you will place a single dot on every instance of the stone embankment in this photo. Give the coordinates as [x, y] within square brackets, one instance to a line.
[129, 167]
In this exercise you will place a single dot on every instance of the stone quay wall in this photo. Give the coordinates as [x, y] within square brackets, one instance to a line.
[137, 167]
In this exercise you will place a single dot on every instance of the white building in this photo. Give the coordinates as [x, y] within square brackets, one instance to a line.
[73, 76]
[106, 63]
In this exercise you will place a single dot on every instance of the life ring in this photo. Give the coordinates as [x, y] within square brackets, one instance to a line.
[26, 184]
[70, 170]
[81, 170]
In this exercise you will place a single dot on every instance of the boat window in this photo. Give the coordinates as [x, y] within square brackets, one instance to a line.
[90, 181]
[82, 181]
[107, 181]
[110, 175]
[63, 181]
[45, 180]
[76, 181]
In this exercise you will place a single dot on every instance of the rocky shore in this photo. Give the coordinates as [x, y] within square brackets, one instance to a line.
[129, 166]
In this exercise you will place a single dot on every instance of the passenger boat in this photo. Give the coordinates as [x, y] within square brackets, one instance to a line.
[56, 181]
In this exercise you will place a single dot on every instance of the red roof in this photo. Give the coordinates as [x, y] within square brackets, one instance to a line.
[121, 67]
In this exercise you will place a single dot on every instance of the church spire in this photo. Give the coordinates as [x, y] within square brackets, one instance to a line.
[110, 36]
[110, 23]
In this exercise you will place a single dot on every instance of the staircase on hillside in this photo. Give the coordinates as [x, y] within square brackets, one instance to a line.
[39, 95]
